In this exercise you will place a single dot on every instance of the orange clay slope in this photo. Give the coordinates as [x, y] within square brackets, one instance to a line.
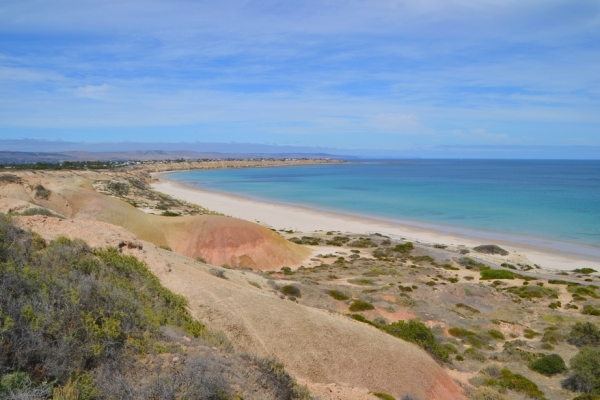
[224, 240]
[219, 240]
[316, 346]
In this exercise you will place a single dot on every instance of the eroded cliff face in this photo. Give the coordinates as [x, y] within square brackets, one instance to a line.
[218, 239]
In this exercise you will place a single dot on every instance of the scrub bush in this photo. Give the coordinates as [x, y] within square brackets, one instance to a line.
[585, 371]
[338, 295]
[360, 305]
[291, 290]
[549, 365]
[418, 333]
[584, 334]
[489, 274]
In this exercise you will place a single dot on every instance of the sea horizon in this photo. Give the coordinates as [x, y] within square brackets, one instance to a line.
[539, 201]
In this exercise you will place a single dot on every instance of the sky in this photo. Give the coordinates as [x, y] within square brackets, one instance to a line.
[391, 75]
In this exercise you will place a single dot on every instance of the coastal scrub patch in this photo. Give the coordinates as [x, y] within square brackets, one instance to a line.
[336, 294]
[490, 274]
[362, 243]
[584, 334]
[585, 371]
[291, 290]
[418, 333]
[469, 263]
[360, 281]
[383, 396]
[468, 308]
[549, 365]
[530, 292]
[491, 249]
[360, 305]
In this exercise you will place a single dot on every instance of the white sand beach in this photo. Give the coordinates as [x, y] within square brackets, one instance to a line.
[546, 253]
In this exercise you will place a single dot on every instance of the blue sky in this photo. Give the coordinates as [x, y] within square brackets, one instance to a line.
[346, 74]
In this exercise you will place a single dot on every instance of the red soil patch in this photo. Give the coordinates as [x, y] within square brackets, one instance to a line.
[400, 315]
[223, 240]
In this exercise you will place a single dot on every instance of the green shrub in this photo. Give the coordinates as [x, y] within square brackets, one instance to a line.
[469, 263]
[338, 295]
[460, 332]
[10, 178]
[555, 305]
[291, 290]
[361, 281]
[530, 333]
[549, 365]
[585, 271]
[487, 393]
[361, 318]
[468, 308]
[450, 267]
[170, 214]
[519, 383]
[587, 397]
[489, 274]
[591, 310]
[583, 290]
[584, 334]
[360, 305]
[405, 248]
[451, 348]
[496, 334]
[67, 309]
[491, 249]
[531, 292]
[362, 243]
[383, 396]
[40, 211]
[419, 259]
[474, 355]
[585, 371]
[416, 332]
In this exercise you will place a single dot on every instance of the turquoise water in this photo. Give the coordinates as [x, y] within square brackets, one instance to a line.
[558, 200]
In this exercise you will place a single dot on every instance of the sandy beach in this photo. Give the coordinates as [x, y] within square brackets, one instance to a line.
[546, 253]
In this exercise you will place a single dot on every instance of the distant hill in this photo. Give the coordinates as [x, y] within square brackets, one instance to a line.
[19, 157]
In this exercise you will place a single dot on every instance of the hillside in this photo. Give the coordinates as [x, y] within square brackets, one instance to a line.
[78, 323]
[217, 239]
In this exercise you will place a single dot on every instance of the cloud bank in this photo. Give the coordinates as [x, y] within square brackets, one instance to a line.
[350, 74]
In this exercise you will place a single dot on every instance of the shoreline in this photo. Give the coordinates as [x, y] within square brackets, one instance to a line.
[306, 219]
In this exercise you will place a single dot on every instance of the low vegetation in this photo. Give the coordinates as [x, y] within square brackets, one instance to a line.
[291, 290]
[74, 323]
[491, 249]
[489, 274]
[549, 365]
[360, 305]
[336, 294]
[417, 332]
[585, 371]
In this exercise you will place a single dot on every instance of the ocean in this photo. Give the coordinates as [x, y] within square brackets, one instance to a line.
[557, 200]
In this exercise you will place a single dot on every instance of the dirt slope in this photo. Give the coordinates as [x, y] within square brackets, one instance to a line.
[223, 240]
[219, 240]
[315, 345]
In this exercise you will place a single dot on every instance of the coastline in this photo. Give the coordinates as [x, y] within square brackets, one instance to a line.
[544, 252]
